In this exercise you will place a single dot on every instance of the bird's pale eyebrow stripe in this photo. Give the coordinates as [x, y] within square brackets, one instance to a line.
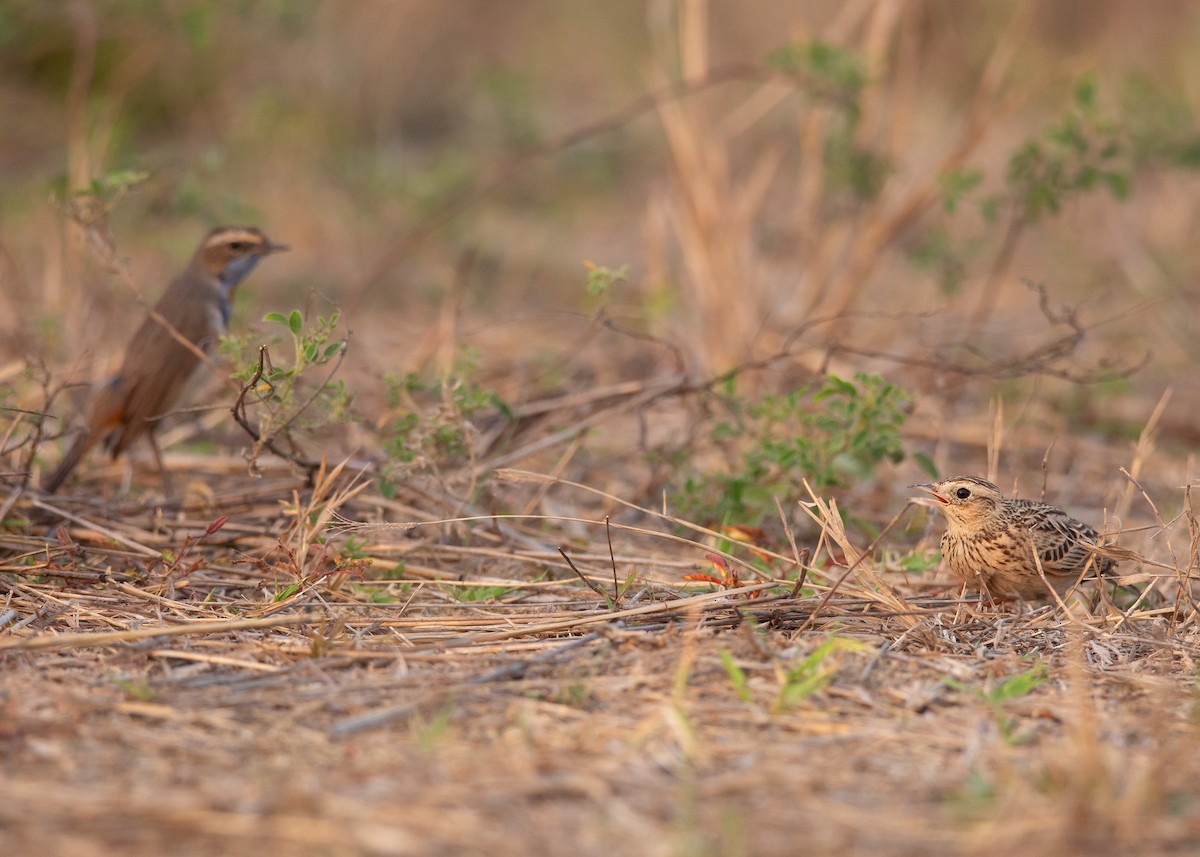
[226, 236]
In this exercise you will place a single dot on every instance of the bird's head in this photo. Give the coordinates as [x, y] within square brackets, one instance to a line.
[965, 500]
[230, 252]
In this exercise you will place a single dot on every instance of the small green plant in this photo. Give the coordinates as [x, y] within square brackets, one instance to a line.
[975, 796]
[284, 395]
[602, 281]
[396, 572]
[138, 690]
[429, 733]
[352, 548]
[426, 441]
[481, 593]
[737, 676]
[577, 694]
[1082, 151]
[839, 432]
[838, 76]
[376, 594]
[812, 673]
[913, 562]
[832, 69]
[998, 695]
[91, 204]
[287, 592]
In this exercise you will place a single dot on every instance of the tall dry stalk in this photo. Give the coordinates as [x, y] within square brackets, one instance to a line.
[709, 212]
[714, 204]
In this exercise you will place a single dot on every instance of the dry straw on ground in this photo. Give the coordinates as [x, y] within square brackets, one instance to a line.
[246, 682]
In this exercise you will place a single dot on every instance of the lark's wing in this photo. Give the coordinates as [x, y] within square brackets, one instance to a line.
[1062, 543]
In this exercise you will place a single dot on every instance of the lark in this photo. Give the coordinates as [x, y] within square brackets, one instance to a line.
[1010, 548]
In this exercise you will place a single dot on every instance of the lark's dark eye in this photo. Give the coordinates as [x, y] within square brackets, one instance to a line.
[238, 245]
[962, 493]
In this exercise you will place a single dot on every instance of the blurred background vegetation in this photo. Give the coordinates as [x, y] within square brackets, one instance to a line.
[728, 176]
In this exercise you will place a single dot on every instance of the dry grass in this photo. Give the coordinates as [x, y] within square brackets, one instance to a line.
[253, 692]
[521, 649]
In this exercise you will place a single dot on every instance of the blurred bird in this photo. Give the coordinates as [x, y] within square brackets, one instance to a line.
[991, 541]
[157, 365]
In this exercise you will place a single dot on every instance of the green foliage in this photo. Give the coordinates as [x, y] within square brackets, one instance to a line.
[481, 593]
[995, 696]
[286, 396]
[1161, 123]
[396, 572]
[352, 549]
[92, 204]
[941, 256]
[737, 676]
[958, 184]
[429, 734]
[513, 97]
[802, 680]
[139, 690]
[376, 594]
[1083, 151]
[828, 66]
[601, 280]
[424, 441]
[839, 76]
[576, 694]
[840, 432]
[111, 187]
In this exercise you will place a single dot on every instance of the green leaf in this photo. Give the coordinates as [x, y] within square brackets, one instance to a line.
[276, 317]
[295, 322]
[1018, 685]
[926, 464]
[1085, 94]
[957, 184]
[737, 676]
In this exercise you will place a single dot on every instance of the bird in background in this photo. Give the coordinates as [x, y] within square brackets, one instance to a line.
[157, 365]
[991, 541]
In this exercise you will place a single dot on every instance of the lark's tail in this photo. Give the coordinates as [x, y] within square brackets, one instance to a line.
[74, 455]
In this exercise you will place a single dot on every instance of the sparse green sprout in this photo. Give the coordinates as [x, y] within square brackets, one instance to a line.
[1084, 151]
[996, 695]
[139, 690]
[812, 673]
[601, 280]
[96, 200]
[301, 394]
[824, 64]
[425, 441]
[352, 548]
[958, 184]
[481, 593]
[737, 676]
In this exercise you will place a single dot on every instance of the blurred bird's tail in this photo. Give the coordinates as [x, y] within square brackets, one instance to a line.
[78, 449]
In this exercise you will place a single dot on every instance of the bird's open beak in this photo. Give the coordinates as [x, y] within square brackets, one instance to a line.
[928, 486]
